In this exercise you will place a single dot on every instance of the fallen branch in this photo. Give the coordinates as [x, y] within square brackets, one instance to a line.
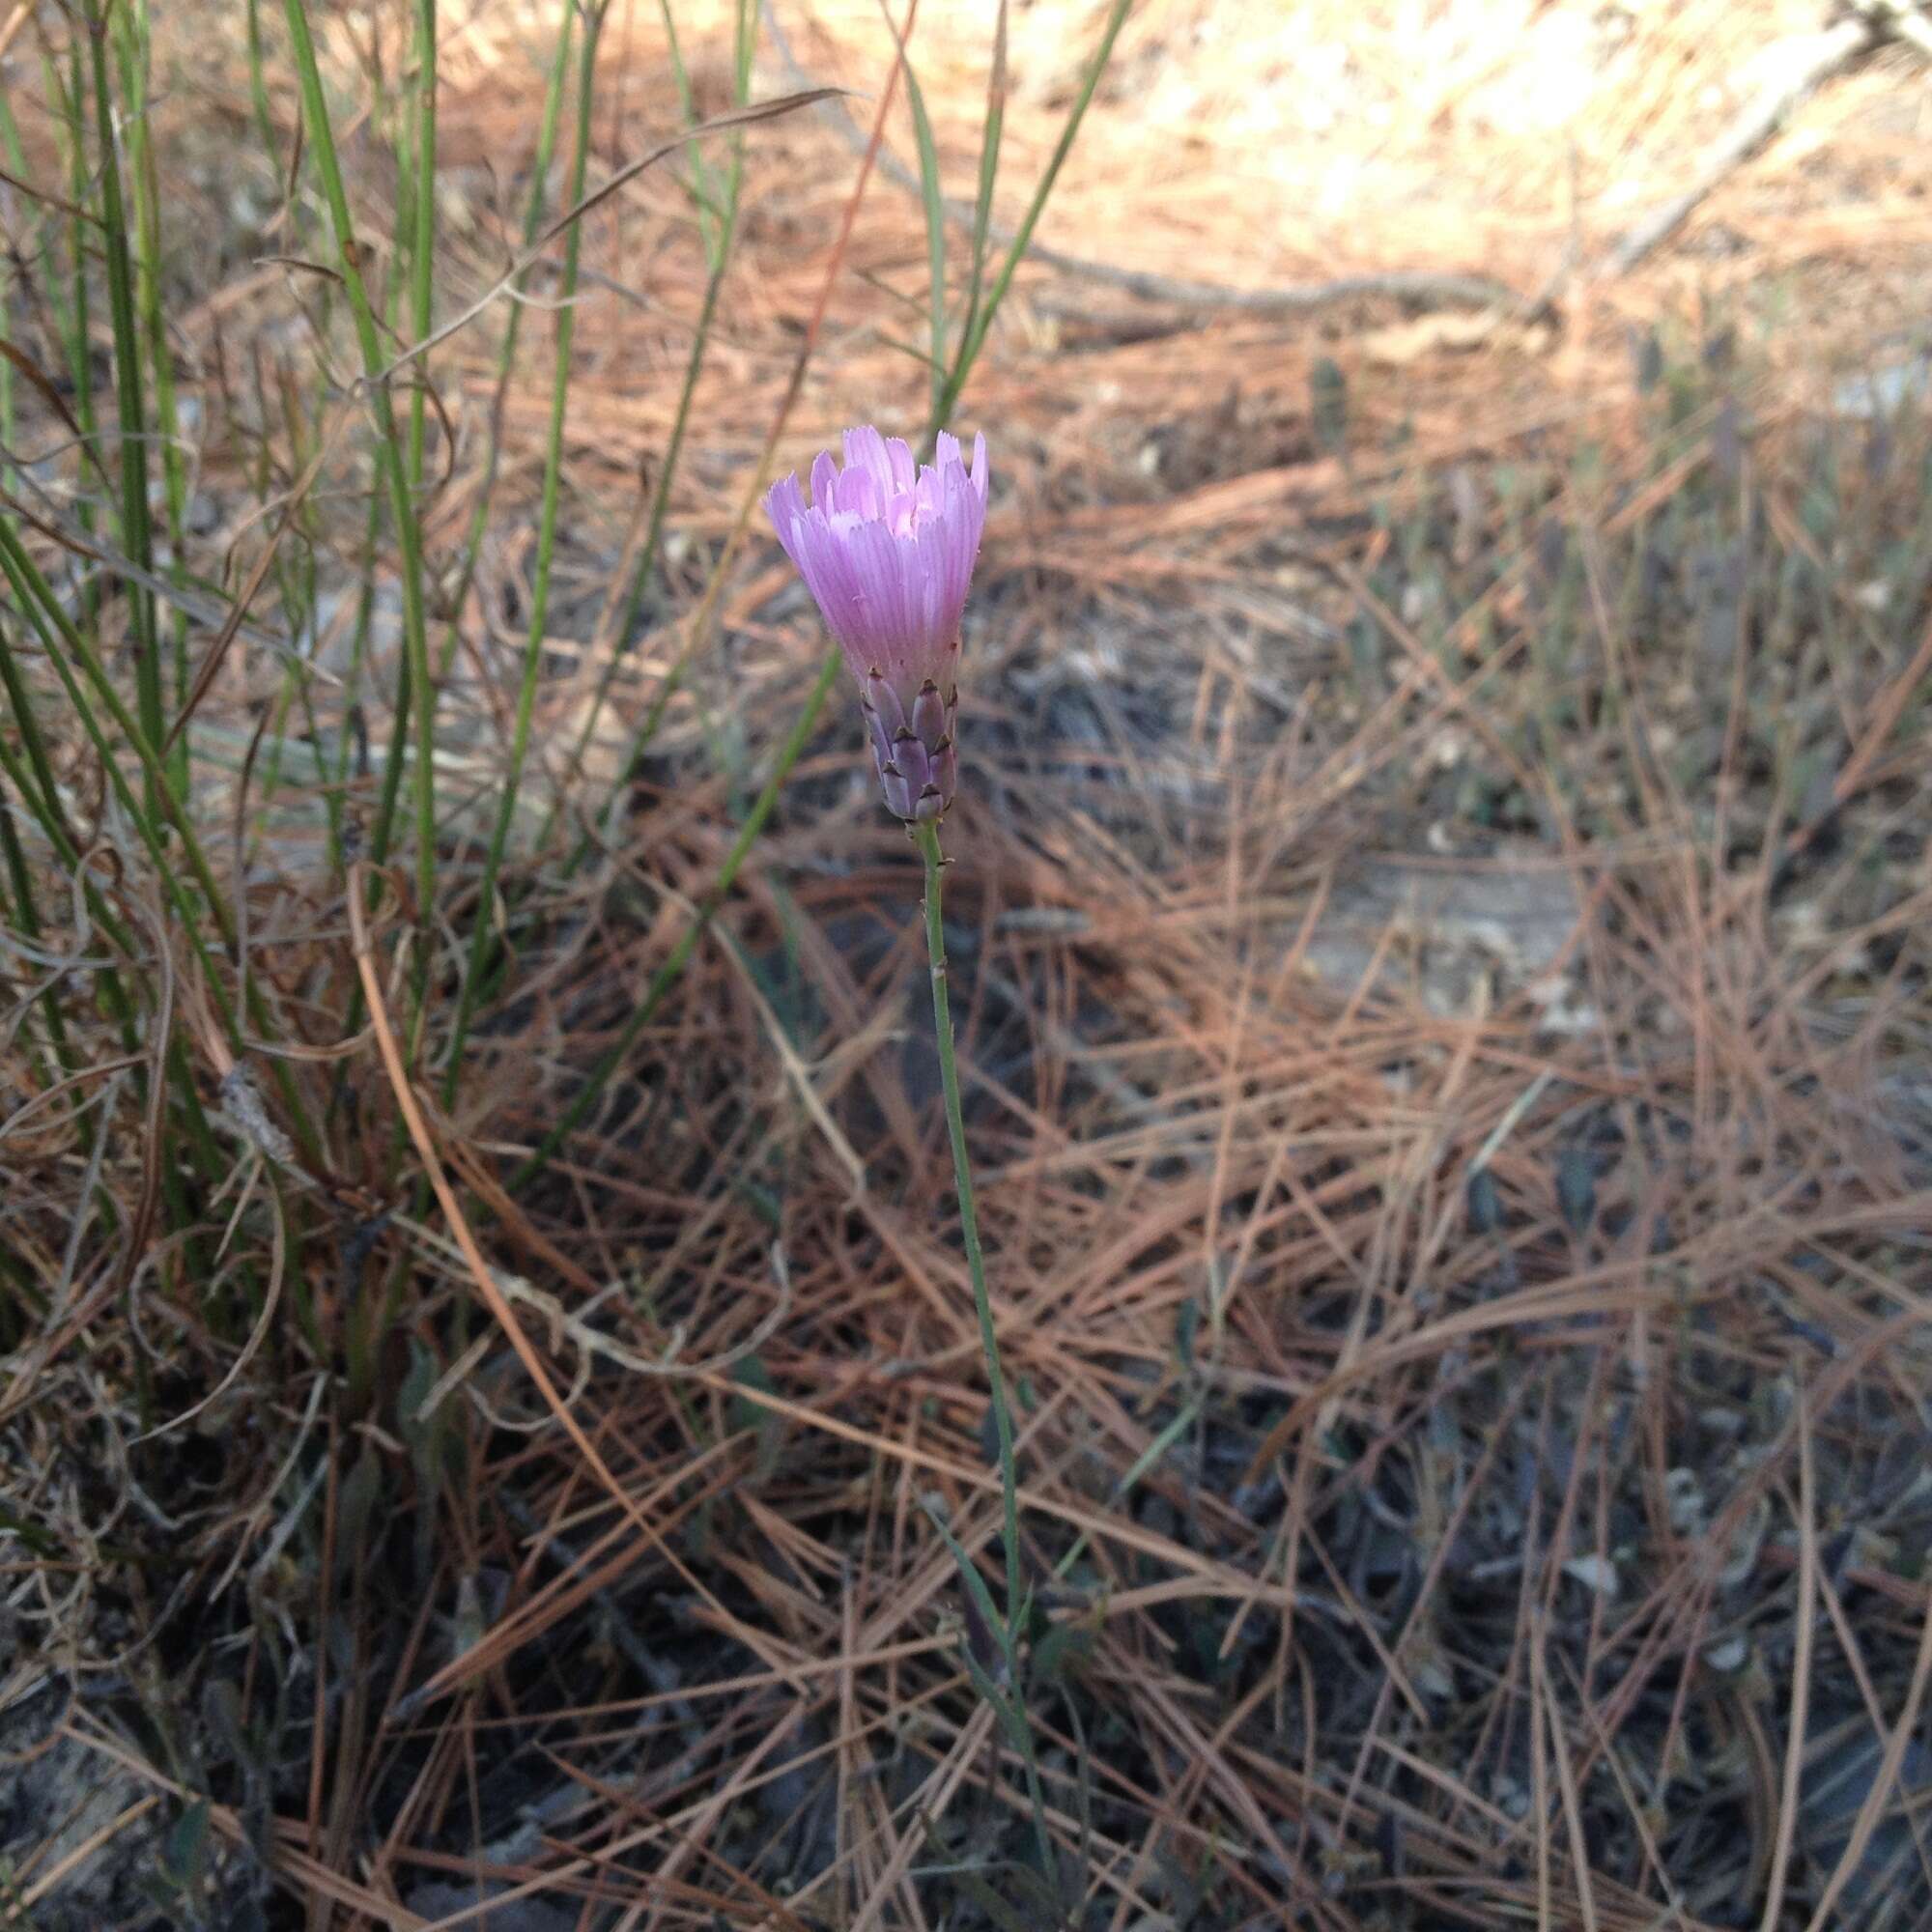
[1810, 60]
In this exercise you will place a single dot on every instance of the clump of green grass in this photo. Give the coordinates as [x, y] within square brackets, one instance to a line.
[226, 1217]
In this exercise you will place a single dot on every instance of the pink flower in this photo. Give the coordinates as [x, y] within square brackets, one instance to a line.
[887, 548]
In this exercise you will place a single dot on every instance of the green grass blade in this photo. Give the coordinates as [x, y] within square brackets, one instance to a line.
[982, 215]
[973, 336]
[17, 161]
[133, 46]
[390, 450]
[634, 600]
[33, 789]
[47, 807]
[64, 641]
[976, 1588]
[935, 227]
[23, 917]
[74, 309]
[482, 942]
[132, 452]
[506, 350]
[258, 86]
[422, 239]
[704, 193]
[719, 259]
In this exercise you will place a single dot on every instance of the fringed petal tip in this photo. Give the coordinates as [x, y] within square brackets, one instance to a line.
[888, 548]
[784, 505]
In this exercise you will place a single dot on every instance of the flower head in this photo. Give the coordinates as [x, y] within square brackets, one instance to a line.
[887, 548]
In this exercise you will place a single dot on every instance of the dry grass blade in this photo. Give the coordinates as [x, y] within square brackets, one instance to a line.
[1790, 1793]
[717, 124]
[1436, 939]
[481, 1274]
[49, 393]
[206, 610]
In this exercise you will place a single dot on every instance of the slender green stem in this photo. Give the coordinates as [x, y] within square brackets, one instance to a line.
[63, 640]
[54, 828]
[112, 995]
[935, 231]
[388, 443]
[422, 241]
[983, 216]
[973, 333]
[258, 86]
[483, 935]
[926, 837]
[422, 305]
[46, 806]
[135, 42]
[71, 117]
[1012, 1704]
[133, 408]
[10, 146]
[627, 625]
[719, 230]
[23, 917]
[703, 196]
[506, 351]
[668, 974]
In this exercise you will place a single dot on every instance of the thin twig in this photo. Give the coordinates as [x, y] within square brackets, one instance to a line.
[1813, 59]
[737, 117]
